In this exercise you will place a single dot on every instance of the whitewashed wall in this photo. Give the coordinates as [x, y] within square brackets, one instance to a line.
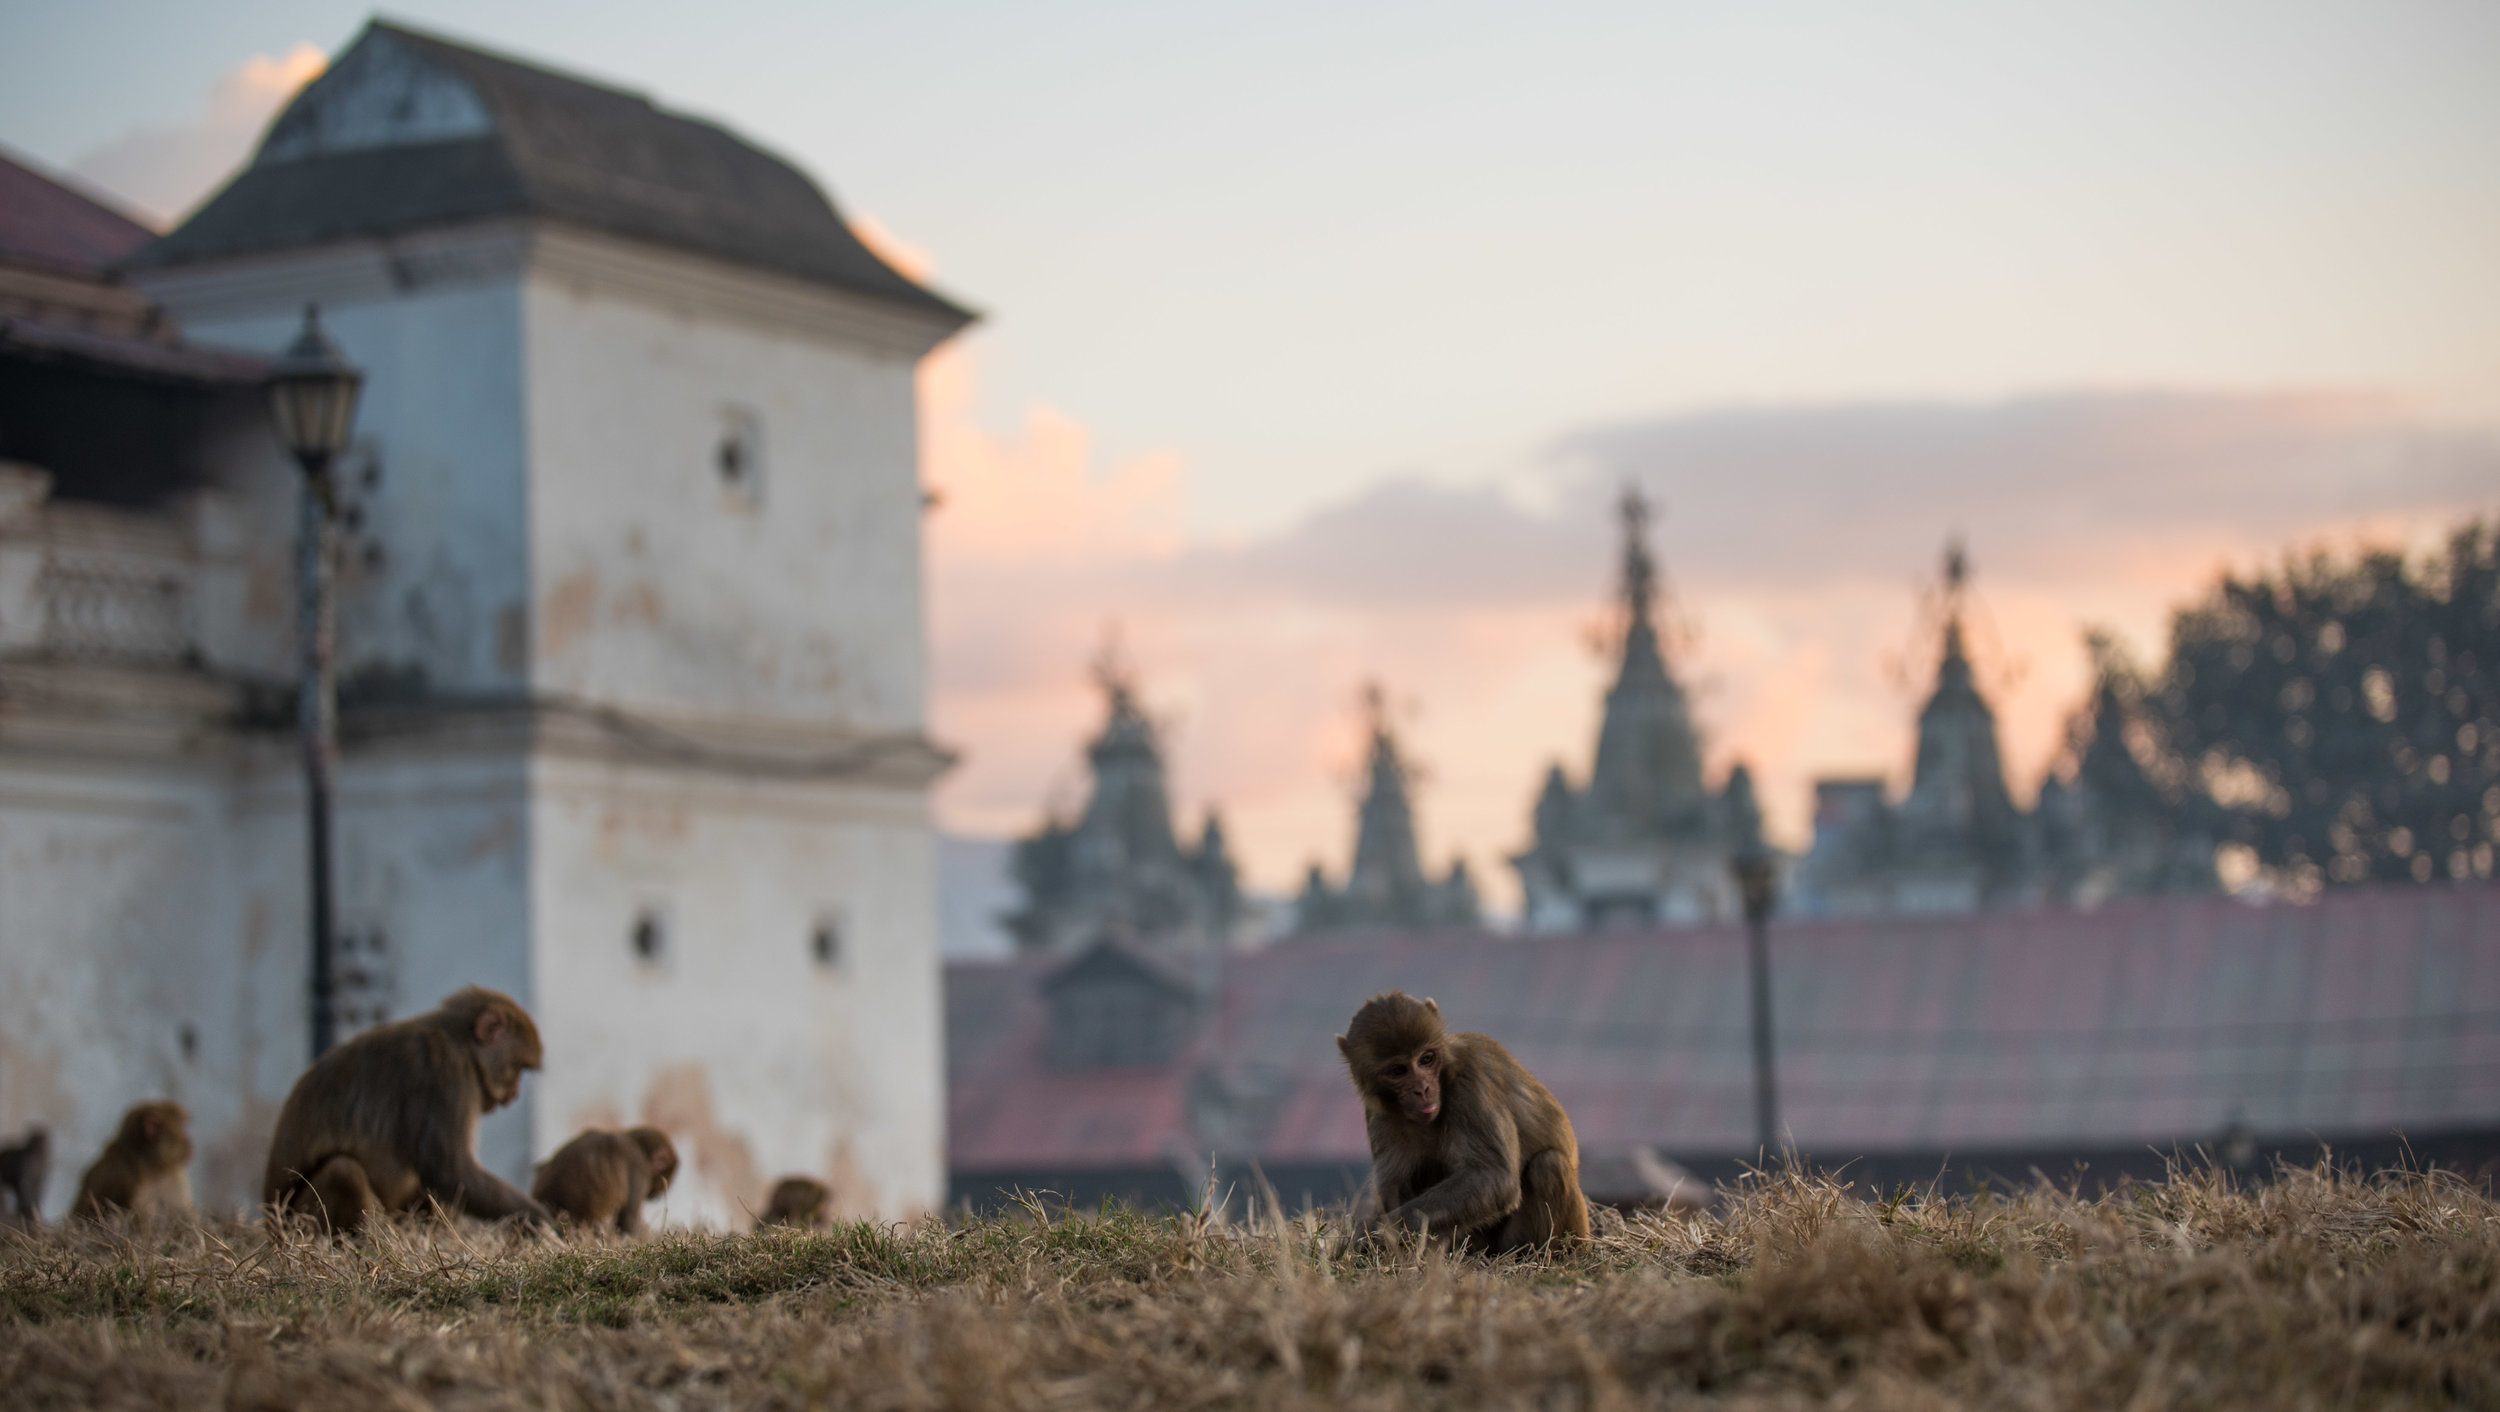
[778, 613]
[542, 414]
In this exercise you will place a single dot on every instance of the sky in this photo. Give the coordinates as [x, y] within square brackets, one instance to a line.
[1318, 339]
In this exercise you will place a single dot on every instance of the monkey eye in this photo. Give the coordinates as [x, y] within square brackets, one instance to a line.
[1396, 1071]
[1426, 1059]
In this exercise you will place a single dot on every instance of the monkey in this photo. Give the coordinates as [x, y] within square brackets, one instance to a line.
[388, 1121]
[797, 1201]
[1467, 1147]
[143, 1170]
[600, 1179]
[23, 1168]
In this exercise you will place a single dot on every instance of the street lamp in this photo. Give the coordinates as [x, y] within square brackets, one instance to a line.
[312, 398]
[1757, 882]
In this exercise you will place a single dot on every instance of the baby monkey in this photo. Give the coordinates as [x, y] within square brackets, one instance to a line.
[1467, 1147]
[599, 1180]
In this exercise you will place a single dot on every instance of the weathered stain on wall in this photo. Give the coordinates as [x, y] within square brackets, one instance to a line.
[568, 612]
[235, 1156]
[854, 1195]
[679, 1102]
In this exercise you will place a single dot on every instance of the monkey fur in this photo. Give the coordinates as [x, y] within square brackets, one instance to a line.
[23, 1168]
[1467, 1147]
[144, 1170]
[388, 1121]
[797, 1201]
[599, 1180]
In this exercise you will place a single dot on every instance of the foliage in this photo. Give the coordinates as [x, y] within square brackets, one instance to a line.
[2317, 1288]
[2346, 712]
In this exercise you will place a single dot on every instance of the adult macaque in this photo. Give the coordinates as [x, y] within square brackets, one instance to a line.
[23, 1168]
[1467, 1147]
[599, 1180]
[388, 1121]
[143, 1170]
[797, 1201]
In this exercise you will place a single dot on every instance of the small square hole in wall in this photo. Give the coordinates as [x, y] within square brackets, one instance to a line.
[824, 943]
[738, 455]
[648, 938]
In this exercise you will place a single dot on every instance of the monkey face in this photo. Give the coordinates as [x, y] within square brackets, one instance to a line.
[1413, 1083]
[507, 1047]
[160, 1130]
[663, 1155]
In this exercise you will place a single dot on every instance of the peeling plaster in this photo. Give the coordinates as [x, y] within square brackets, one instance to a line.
[570, 611]
[679, 1103]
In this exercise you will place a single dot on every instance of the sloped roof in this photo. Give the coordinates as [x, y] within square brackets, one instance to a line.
[409, 131]
[149, 358]
[45, 222]
[2368, 1012]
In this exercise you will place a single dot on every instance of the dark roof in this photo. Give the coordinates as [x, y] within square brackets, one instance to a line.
[145, 358]
[1111, 960]
[44, 222]
[408, 131]
[2368, 1012]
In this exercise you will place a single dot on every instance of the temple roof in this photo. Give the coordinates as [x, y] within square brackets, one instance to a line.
[1957, 786]
[2372, 1010]
[1648, 759]
[407, 131]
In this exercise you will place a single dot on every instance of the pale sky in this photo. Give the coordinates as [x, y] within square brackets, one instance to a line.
[1318, 334]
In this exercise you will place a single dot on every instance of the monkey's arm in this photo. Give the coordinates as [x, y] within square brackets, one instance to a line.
[1483, 1186]
[1394, 1167]
[449, 1171]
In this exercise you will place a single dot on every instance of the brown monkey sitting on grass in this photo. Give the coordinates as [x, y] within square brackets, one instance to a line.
[599, 1180]
[1467, 1147]
[144, 1170]
[388, 1121]
[797, 1201]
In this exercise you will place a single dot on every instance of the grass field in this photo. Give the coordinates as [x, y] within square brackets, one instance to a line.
[2310, 1291]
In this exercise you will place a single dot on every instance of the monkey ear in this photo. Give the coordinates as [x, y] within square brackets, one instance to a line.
[490, 1025]
[1342, 1049]
[1432, 1005]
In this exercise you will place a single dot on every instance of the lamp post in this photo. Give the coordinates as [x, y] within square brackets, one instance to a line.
[312, 398]
[1757, 882]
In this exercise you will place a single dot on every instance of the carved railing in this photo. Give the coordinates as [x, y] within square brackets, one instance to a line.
[114, 609]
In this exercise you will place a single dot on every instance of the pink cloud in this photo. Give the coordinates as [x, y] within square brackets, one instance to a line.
[163, 172]
[1799, 542]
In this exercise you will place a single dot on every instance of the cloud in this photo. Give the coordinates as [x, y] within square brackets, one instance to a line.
[163, 172]
[1798, 540]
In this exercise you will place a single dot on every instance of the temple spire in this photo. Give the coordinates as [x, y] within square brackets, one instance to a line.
[1640, 572]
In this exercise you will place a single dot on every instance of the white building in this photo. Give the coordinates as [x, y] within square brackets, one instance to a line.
[631, 644]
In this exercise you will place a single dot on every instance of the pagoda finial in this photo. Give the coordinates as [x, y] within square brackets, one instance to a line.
[1640, 573]
[1956, 592]
[1112, 669]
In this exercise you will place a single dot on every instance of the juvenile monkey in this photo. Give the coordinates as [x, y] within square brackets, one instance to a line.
[144, 1169]
[797, 1201]
[389, 1119]
[599, 1180]
[1467, 1146]
[23, 1168]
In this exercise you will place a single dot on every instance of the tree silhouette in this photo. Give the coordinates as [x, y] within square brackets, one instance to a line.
[2342, 712]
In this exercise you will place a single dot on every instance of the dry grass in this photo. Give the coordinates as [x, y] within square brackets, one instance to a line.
[2315, 1290]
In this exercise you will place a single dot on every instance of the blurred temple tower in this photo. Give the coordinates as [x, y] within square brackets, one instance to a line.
[1958, 843]
[1386, 886]
[630, 635]
[1119, 871]
[1645, 841]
